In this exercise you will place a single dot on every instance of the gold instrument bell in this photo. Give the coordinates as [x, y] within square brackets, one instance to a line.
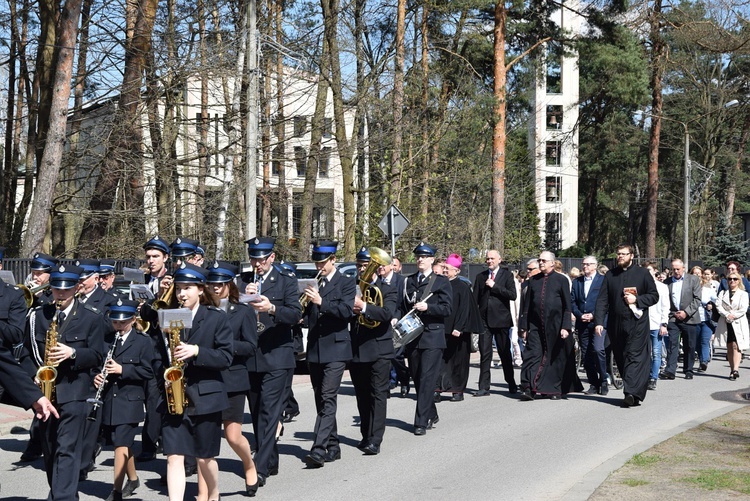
[370, 293]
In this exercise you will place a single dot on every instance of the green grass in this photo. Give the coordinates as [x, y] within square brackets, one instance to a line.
[721, 479]
[634, 482]
[644, 460]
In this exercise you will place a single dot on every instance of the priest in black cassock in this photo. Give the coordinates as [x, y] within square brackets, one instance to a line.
[459, 325]
[545, 322]
[623, 302]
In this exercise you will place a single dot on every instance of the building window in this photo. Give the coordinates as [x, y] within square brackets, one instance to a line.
[327, 127]
[325, 162]
[277, 160]
[554, 117]
[322, 215]
[554, 68]
[300, 126]
[553, 189]
[300, 158]
[553, 153]
[552, 228]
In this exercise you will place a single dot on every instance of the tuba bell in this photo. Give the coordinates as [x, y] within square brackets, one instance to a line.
[370, 293]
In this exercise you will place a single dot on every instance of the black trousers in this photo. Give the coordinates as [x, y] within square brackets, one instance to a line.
[61, 439]
[292, 406]
[267, 397]
[454, 373]
[632, 354]
[90, 437]
[501, 336]
[326, 381]
[594, 355]
[425, 367]
[152, 424]
[370, 380]
[689, 335]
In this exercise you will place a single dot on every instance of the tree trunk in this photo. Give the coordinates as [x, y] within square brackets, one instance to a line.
[204, 154]
[398, 105]
[499, 136]
[46, 64]
[658, 54]
[731, 181]
[283, 194]
[425, 115]
[49, 167]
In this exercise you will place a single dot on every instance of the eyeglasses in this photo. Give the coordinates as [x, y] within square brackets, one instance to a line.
[530, 269]
[589, 264]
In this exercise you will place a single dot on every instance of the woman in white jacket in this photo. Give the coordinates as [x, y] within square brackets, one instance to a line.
[733, 330]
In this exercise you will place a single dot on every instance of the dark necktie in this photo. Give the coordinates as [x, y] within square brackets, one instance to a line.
[60, 318]
[420, 278]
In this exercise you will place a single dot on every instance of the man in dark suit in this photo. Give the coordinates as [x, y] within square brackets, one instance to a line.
[41, 266]
[426, 351]
[684, 320]
[273, 359]
[622, 306]
[372, 352]
[583, 298]
[494, 289]
[329, 310]
[80, 329]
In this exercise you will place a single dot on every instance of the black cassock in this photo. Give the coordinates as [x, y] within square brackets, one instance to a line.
[629, 337]
[547, 310]
[465, 318]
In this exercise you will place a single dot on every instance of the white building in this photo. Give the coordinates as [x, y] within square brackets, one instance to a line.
[553, 137]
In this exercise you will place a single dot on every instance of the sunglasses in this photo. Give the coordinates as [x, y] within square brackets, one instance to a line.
[733, 279]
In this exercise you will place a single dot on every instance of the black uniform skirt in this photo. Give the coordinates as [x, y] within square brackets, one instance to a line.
[235, 413]
[186, 435]
[121, 435]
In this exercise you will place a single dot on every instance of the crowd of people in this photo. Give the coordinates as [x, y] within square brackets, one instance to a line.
[182, 363]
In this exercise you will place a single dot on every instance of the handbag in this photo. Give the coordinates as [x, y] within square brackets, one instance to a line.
[714, 312]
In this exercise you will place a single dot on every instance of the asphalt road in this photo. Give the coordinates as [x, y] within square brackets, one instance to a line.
[494, 447]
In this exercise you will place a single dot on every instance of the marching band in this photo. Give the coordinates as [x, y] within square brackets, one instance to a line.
[179, 357]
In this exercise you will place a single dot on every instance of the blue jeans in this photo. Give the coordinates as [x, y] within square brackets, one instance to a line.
[655, 354]
[704, 341]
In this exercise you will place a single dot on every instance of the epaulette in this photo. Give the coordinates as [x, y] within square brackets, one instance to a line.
[215, 308]
[92, 308]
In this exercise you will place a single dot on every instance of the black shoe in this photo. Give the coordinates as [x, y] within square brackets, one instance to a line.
[130, 487]
[604, 389]
[666, 375]
[371, 450]
[432, 422]
[18, 430]
[513, 390]
[273, 470]
[83, 475]
[91, 466]
[191, 470]
[652, 384]
[703, 368]
[593, 390]
[251, 490]
[481, 393]
[261, 480]
[526, 396]
[688, 375]
[30, 455]
[288, 417]
[97, 450]
[630, 401]
[457, 397]
[404, 390]
[362, 444]
[420, 430]
[332, 456]
[437, 397]
[145, 456]
[315, 460]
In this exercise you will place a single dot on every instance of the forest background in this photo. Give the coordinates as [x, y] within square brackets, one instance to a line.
[444, 88]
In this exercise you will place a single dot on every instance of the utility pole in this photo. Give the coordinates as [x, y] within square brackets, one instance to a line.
[251, 145]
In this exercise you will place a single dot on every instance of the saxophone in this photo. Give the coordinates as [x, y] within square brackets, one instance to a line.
[47, 374]
[174, 381]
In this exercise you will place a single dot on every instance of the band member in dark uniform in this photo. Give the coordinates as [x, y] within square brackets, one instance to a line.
[21, 388]
[291, 409]
[107, 277]
[372, 352]
[243, 322]
[329, 308]
[124, 375]
[425, 352]
[187, 250]
[41, 266]
[205, 349]
[157, 260]
[269, 365]
[12, 316]
[80, 329]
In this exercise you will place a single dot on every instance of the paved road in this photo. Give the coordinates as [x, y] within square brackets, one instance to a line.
[495, 447]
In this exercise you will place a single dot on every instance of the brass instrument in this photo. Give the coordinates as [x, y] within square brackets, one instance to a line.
[304, 299]
[174, 380]
[97, 400]
[378, 257]
[47, 374]
[29, 292]
[164, 301]
[260, 326]
[140, 323]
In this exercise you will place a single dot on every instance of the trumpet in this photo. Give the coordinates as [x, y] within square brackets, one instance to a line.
[29, 292]
[97, 400]
[304, 299]
[260, 326]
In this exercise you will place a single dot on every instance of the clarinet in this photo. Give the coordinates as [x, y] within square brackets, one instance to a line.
[97, 400]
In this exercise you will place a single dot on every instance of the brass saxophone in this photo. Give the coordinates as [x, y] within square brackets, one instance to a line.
[47, 374]
[174, 380]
